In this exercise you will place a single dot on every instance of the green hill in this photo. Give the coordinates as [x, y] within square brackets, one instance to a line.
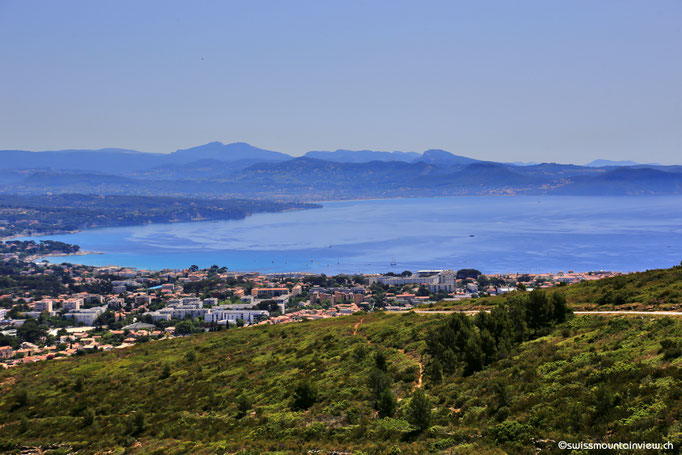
[512, 381]
[659, 289]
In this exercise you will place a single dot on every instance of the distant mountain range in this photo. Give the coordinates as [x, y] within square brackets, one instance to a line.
[605, 163]
[242, 170]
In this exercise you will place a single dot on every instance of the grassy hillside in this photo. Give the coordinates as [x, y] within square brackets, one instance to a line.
[659, 289]
[590, 378]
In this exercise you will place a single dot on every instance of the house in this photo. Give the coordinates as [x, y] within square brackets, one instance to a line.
[6, 352]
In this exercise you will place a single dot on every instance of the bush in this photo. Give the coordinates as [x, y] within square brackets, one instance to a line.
[165, 371]
[135, 425]
[511, 431]
[20, 400]
[304, 395]
[387, 404]
[380, 361]
[88, 418]
[243, 405]
[671, 349]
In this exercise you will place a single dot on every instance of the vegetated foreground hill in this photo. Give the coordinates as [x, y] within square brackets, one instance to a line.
[659, 289]
[516, 380]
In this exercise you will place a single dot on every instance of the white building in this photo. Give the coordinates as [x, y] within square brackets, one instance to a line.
[44, 305]
[435, 280]
[86, 316]
[116, 302]
[72, 304]
[224, 315]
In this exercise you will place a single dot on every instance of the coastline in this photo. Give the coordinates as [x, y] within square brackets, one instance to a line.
[28, 235]
[42, 234]
[38, 257]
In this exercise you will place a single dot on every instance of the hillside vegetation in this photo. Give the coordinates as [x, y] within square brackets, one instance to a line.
[659, 289]
[516, 380]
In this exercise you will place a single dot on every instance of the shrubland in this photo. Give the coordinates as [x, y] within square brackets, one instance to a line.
[515, 380]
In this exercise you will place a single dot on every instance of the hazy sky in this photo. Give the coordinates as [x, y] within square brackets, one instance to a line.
[564, 81]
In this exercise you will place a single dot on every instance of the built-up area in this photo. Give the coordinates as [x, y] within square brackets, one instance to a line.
[51, 311]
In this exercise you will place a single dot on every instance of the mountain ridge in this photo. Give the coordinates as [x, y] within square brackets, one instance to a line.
[242, 170]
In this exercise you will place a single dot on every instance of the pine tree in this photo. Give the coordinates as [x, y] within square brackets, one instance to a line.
[419, 411]
[387, 404]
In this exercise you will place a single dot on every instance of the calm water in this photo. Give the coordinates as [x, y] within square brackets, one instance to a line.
[493, 234]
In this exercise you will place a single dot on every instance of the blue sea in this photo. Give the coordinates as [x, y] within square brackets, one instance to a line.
[493, 234]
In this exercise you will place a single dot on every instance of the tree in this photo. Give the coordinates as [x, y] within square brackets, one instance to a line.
[387, 404]
[423, 291]
[78, 384]
[380, 361]
[184, 327]
[435, 371]
[193, 268]
[419, 411]
[20, 400]
[468, 273]
[31, 331]
[378, 381]
[88, 417]
[135, 425]
[304, 395]
[243, 405]
[474, 356]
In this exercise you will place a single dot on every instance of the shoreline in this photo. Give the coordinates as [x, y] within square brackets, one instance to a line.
[26, 235]
[39, 257]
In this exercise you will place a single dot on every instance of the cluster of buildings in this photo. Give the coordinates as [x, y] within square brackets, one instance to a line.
[136, 305]
[209, 311]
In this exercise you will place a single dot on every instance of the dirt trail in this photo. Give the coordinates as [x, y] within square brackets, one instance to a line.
[418, 384]
[421, 372]
[355, 327]
[607, 312]
[419, 381]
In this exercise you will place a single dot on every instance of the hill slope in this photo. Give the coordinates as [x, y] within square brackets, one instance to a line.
[310, 386]
[659, 289]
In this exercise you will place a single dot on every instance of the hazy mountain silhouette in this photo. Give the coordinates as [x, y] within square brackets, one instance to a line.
[226, 152]
[362, 156]
[240, 169]
[441, 157]
[607, 163]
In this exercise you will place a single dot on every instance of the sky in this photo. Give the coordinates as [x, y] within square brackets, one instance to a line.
[561, 81]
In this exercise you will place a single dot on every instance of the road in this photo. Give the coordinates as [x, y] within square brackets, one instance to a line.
[614, 312]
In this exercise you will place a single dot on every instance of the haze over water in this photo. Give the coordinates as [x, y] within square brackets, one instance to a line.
[492, 234]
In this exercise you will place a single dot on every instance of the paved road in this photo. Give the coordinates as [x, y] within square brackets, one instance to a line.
[615, 312]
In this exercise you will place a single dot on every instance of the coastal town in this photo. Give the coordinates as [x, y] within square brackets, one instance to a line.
[52, 311]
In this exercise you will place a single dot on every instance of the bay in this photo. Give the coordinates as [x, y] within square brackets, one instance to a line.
[494, 234]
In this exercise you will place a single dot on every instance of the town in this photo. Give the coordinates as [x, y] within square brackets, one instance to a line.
[52, 311]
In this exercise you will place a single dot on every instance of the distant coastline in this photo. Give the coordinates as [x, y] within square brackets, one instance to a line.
[40, 257]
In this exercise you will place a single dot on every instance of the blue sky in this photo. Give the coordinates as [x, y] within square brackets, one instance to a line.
[564, 81]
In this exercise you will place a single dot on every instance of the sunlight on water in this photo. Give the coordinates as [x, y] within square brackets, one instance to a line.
[493, 234]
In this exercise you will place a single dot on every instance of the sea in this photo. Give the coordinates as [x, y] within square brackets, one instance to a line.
[494, 234]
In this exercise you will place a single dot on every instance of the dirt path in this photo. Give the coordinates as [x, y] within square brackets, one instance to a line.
[419, 382]
[355, 327]
[607, 312]
[421, 372]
